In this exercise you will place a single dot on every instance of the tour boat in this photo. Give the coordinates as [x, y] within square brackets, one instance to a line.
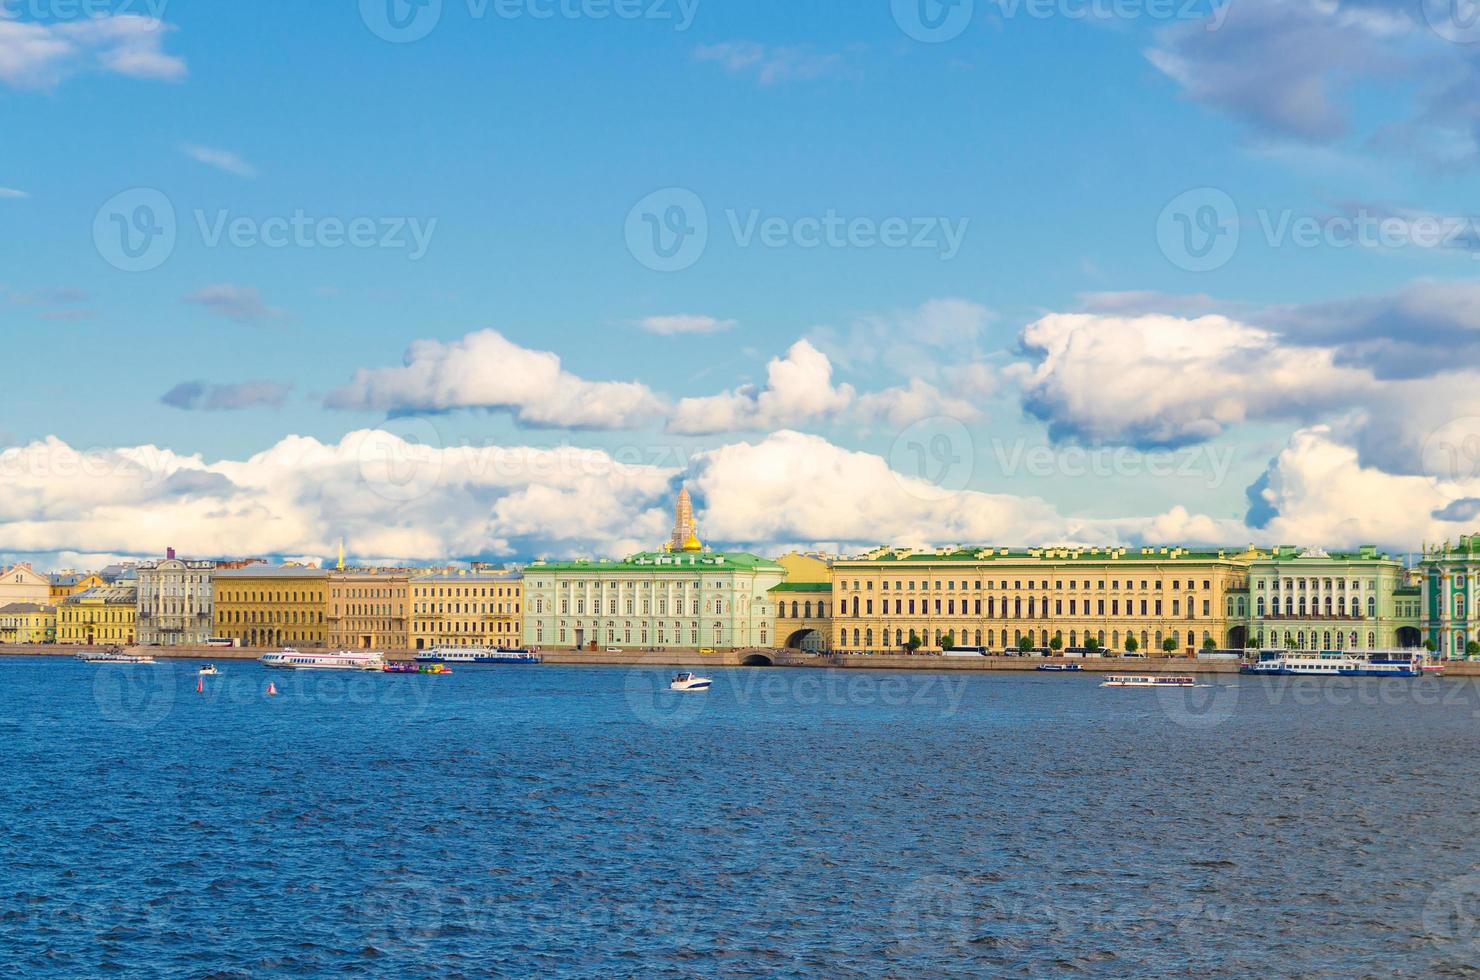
[476, 655]
[689, 682]
[401, 669]
[1334, 663]
[1058, 667]
[290, 659]
[209, 670]
[113, 657]
[1152, 680]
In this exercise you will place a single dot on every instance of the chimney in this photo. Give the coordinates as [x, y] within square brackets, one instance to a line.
[169, 553]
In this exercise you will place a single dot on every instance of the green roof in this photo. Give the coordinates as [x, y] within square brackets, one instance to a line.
[677, 562]
[1046, 555]
[801, 587]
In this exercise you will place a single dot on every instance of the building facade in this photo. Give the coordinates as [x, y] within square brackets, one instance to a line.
[64, 584]
[653, 600]
[1448, 591]
[266, 606]
[368, 610]
[21, 583]
[472, 610]
[176, 602]
[1310, 599]
[803, 604]
[28, 622]
[998, 598]
[106, 617]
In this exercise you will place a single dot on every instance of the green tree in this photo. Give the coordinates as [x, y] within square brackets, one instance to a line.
[1169, 644]
[949, 643]
[1131, 646]
[1428, 645]
[1056, 644]
[1091, 644]
[1208, 644]
[914, 642]
[1472, 648]
[1025, 644]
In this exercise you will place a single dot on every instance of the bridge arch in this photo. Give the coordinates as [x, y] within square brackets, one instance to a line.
[805, 639]
[757, 660]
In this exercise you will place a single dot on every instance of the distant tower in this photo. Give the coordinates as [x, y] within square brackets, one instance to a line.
[340, 566]
[685, 531]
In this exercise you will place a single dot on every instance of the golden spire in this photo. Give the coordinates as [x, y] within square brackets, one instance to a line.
[341, 555]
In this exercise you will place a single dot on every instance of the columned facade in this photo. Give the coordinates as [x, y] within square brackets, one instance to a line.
[175, 602]
[1314, 600]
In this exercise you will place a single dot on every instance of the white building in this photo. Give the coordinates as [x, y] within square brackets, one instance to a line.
[176, 602]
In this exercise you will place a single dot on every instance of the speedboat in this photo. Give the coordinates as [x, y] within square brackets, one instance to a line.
[434, 669]
[689, 682]
[1154, 680]
[209, 670]
[290, 659]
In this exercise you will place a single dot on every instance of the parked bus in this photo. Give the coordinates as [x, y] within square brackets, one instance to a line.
[222, 641]
[966, 652]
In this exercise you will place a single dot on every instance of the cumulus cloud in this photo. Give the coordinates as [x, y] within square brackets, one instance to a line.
[485, 370]
[681, 323]
[1166, 381]
[769, 64]
[225, 160]
[204, 397]
[36, 55]
[240, 303]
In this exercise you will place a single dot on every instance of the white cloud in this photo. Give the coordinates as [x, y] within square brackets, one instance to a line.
[10, 193]
[35, 55]
[488, 371]
[1158, 380]
[232, 163]
[915, 342]
[240, 303]
[679, 323]
[770, 64]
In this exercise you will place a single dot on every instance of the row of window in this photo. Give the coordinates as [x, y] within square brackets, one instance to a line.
[949, 585]
[1015, 608]
[864, 639]
[1336, 608]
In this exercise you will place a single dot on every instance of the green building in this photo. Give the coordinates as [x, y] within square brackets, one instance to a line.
[1448, 575]
[1316, 600]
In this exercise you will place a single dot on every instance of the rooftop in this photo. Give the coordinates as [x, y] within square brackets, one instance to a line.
[659, 561]
[960, 553]
[802, 587]
[271, 571]
[23, 607]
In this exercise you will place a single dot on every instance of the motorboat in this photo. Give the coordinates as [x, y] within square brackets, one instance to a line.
[290, 659]
[686, 681]
[1149, 680]
[1058, 667]
[209, 670]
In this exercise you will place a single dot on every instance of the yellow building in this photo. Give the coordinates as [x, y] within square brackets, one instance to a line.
[28, 622]
[803, 603]
[997, 599]
[64, 584]
[472, 610]
[269, 606]
[22, 583]
[107, 617]
[367, 610]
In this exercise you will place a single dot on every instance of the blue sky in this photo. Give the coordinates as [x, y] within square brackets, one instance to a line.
[1053, 144]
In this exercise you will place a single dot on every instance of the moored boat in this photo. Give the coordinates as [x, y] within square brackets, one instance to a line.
[1058, 667]
[476, 655]
[1335, 663]
[114, 655]
[290, 659]
[1149, 680]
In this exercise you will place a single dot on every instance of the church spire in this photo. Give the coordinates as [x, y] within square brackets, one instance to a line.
[685, 531]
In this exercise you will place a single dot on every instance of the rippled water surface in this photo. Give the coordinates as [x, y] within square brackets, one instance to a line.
[583, 821]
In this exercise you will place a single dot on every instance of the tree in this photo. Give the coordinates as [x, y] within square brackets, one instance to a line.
[1091, 644]
[1131, 646]
[950, 641]
[1056, 644]
[914, 642]
[1169, 644]
[1208, 644]
[1472, 648]
[1025, 644]
[1428, 645]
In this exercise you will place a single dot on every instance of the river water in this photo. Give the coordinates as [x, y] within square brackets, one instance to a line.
[584, 821]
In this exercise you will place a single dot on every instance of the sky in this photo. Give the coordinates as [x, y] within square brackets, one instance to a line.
[491, 279]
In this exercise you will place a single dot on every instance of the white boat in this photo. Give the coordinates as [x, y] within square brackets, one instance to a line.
[689, 682]
[114, 657]
[290, 659]
[1149, 680]
[476, 655]
[209, 670]
[1336, 663]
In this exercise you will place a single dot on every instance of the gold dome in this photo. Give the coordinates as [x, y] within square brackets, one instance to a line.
[693, 543]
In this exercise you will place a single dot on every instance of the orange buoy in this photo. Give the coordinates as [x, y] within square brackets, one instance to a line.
[200, 685]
